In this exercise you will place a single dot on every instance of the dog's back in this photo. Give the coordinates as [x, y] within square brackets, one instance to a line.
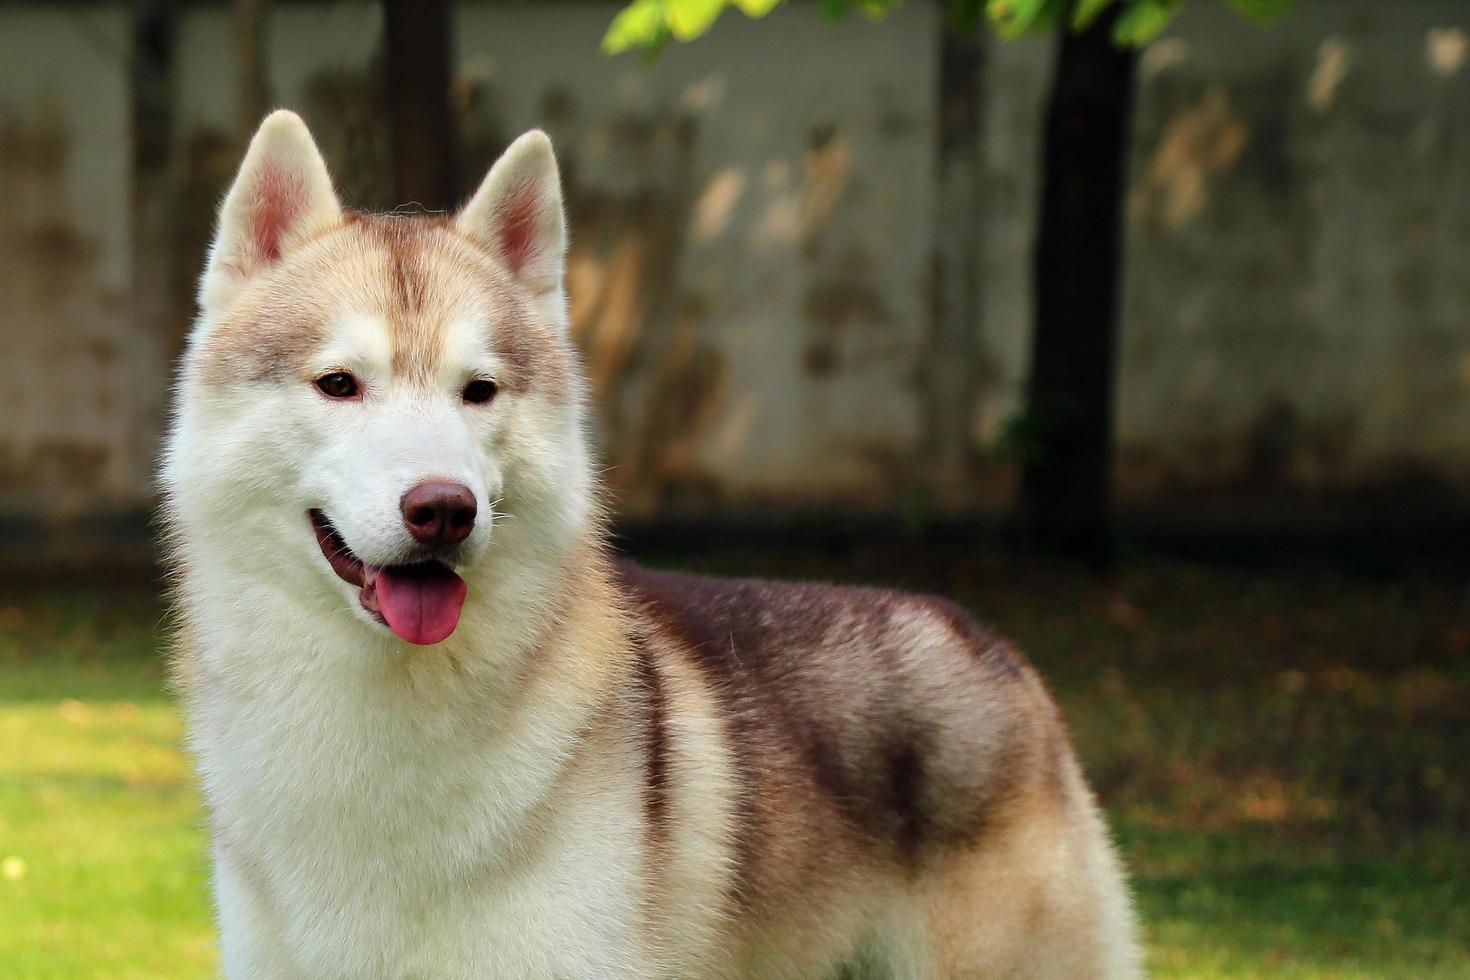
[906, 793]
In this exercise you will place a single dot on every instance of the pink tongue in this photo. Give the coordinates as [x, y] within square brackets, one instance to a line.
[420, 602]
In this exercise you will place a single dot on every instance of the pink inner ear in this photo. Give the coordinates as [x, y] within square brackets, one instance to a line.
[517, 221]
[278, 205]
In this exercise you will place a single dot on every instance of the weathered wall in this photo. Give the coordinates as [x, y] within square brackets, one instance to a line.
[67, 407]
[1298, 290]
[752, 225]
[749, 262]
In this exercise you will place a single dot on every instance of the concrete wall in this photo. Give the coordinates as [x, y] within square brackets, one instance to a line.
[753, 219]
[68, 438]
[1298, 291]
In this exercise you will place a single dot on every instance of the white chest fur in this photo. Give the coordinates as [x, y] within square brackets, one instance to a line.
[398, 822]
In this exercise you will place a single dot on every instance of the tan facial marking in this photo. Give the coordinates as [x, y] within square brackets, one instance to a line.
[419, 275]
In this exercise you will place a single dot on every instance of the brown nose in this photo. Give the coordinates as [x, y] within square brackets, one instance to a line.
[437, 512]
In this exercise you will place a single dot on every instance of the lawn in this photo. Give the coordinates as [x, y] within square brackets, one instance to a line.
[1282, 757]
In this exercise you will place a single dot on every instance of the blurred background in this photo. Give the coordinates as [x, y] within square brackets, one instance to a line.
[1140, 327]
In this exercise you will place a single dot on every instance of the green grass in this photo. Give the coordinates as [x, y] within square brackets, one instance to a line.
[102, 863]
[1282, 758]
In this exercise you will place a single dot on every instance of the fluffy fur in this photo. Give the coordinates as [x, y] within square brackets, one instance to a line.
[604, 771]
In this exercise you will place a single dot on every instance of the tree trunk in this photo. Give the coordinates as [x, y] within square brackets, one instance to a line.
[1067, 476]
[951, 364]
[421, 128]
[251, 17]
[156, 311]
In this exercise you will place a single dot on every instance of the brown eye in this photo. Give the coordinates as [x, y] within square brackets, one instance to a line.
[338, 384]
[479, 391]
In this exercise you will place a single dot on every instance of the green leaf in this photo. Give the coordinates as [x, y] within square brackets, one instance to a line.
[650, 24]
[1087, 11]
[1022, 439]
[688, 19]
[756, 8]
[1144, 20]
[638, 25]
[1012, 18]
[1261, 11]
[835, 9]
[876, 10]
[964, 15]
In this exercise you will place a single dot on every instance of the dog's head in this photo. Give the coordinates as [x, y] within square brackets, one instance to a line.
[365, 395]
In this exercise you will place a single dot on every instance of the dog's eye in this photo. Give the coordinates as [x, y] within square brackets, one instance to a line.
[338, 384]
[479, 391]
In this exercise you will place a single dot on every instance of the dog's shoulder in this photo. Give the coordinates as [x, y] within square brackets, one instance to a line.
[760, 624]
[906, 714]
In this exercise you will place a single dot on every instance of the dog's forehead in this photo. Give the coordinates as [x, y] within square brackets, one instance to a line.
[406, 293]
[446, 305]
[438, 297]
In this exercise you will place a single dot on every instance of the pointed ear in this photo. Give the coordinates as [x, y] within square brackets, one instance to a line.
[517, 213]
[281, 196]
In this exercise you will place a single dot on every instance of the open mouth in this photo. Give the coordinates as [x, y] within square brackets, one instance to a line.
[420, 602]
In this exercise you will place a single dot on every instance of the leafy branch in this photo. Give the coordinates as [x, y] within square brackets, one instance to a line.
[648, 25]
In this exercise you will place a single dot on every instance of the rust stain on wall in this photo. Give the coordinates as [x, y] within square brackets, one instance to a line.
[1199, 142]
[680, 404]
[842, 299]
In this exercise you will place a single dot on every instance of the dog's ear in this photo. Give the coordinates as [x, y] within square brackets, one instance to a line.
[517, 213]
[281, 196]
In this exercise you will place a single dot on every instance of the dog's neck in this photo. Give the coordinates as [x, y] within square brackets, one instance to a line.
[316, 717]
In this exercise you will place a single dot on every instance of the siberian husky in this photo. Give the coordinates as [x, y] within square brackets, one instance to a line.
[443, 732]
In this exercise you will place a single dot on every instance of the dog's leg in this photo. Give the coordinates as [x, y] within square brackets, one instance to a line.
[1043, 898]
[251, 944]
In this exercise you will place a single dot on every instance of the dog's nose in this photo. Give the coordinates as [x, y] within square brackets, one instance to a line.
[438, 512]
